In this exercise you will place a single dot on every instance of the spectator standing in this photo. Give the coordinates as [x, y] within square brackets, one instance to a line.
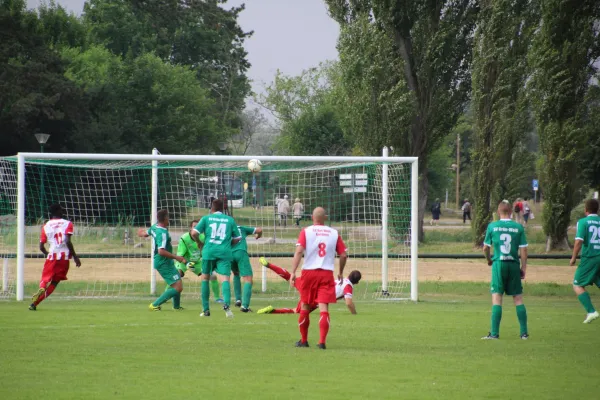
[297, 211]
[436, 211]
[466, 209]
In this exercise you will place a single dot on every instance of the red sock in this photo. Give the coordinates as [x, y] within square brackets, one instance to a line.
[47, 293]
[323, 326]
[280, 271]
[303, 323]
[283, 311]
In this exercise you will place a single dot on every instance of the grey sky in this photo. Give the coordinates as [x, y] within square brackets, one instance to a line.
[290, 35]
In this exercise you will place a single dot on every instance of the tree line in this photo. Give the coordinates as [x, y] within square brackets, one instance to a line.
[515, 80]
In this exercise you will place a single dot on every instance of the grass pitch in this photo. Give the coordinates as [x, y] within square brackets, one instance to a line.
[94, 349]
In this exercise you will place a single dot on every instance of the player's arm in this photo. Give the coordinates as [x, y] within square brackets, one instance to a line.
[296, 262]
[167, 254]
[487, 246]
[236, 236]
[350, 305]
[197, 230]
[578, 243]
[69, 243]
[523, 253]
[143, 233]
[43, 240]
[258, 232]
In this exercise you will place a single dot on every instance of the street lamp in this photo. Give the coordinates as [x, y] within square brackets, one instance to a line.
[222, 146]
[42, 138]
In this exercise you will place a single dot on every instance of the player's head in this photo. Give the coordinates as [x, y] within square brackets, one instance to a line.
[217, 205]
[355, 277]
[504, 210]
[162, 216]
[318, 215]
[193, 223]
[56, 211]
[591, 206]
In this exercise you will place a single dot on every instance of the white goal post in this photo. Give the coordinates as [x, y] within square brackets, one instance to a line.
[367, 213]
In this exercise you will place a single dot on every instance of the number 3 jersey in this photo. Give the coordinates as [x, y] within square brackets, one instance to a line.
[321, 243]
[505, 237]
[588, 231]
[54, 233]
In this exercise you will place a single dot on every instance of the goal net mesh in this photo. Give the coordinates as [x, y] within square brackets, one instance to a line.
[109, 200]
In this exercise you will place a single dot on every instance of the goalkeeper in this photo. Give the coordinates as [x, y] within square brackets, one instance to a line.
[188, 249]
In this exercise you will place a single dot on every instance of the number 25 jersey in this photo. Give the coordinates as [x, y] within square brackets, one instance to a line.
[588, 231]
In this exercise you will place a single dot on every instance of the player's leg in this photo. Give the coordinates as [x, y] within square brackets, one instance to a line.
[497, 290]
[521, 316]
[585, 275]
[237, 281]
[54, 272]
[215, 286]
[169, 273]
[308, 294]
[207, 269]
[278, 270]
[223, 273]
[514, 287]
[325, 296]
[245, 271]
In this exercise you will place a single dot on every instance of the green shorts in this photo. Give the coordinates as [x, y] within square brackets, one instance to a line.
[241, 264]
[588, 272]
[222, 267]
[506, 278]
[167, 270]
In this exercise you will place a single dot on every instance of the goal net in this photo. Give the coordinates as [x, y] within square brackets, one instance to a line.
[109, 197]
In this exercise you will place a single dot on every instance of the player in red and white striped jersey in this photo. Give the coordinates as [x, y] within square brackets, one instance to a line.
[319, 245]
[344, 290]
[57, 233]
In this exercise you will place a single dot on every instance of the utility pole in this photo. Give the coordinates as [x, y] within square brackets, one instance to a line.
[457, 171]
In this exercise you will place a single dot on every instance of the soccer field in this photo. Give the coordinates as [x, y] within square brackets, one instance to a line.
[94, 349]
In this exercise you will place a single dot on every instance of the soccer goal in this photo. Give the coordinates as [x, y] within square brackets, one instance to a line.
[372, 201]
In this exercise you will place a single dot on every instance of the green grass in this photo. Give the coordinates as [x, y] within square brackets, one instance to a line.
[97, 349]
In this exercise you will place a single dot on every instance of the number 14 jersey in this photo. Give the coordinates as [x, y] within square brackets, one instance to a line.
[219, 229]
[505, 237]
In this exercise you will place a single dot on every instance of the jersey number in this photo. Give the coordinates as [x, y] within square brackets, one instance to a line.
[322, 249]
[506, 239]
[595, 238]
[218, 231]
[58, 237]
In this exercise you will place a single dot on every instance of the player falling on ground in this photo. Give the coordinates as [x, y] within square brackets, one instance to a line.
[221, 234]
[507, 238]
[242, 269]
[57, 232]
[319, 244]
[343, 290]
[588, 271]
[163, 261]
[188, 249]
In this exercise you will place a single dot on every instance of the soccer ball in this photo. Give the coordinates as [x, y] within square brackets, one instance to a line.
[254, 165]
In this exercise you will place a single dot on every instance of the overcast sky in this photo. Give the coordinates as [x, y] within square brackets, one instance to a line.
[290, 35]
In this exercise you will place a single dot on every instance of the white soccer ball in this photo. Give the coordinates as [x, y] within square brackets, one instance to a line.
[254, 165]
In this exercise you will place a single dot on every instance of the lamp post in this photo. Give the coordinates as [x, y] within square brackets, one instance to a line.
[42, 138]
[457, 171]
[223, 148]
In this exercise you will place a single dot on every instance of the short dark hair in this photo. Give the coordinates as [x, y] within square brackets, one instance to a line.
[162, 215]
[217, 205]
[591, 206]
[355, 277]
[194, 222]
[56, 210]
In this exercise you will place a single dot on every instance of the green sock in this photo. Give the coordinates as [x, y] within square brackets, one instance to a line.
[205, 295]
[586, 302]
[247, 294]
[177, 300]
[169, 293]
[496, 318]
[237, 287]
[215, 289]
[226, 289]
[522, 316]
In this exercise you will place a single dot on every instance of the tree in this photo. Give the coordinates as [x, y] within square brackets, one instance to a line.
[590, 160]
[433, 40]
[499, 102]
[563, 51]
[253, 121]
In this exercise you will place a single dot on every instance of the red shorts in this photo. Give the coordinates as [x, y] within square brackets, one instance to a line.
[317, 286]
[55, 271]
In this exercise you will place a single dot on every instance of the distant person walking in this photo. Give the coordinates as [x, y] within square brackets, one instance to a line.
[436, 211]
[466, 209]
[526, 210]
[518, 210]
[297, 211]
[283, 209]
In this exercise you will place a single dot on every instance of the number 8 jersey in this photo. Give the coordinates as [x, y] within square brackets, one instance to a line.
[505, 237]
[54, 233]
[321, 243]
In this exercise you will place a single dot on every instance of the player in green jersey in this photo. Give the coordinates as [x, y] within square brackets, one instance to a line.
[588, 272]
[221, 234]
[188, 249]
[508, 239]
[241, 267]
[164, 261]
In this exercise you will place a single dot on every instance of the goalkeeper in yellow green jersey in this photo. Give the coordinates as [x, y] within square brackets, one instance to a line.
[188, 249]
